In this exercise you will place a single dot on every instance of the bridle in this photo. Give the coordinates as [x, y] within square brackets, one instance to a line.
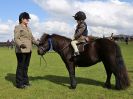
[42, 48]
[50, 47]
[50, 44]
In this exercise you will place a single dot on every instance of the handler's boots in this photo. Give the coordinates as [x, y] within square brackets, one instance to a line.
[27, 85]
[21, 87]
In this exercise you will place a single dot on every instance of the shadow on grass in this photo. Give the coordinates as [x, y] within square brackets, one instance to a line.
[61, 80]
[130, 71]
[11, 77]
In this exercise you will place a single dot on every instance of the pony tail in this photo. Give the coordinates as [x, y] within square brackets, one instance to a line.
[122, 79]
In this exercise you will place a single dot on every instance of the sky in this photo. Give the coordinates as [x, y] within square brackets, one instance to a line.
[55, 16]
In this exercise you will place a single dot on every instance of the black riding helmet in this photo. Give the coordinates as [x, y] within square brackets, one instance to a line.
[80, 16]
[23, 15]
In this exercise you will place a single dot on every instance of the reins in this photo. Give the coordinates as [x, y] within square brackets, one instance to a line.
[50, 47]
[51, 44]
[43, 60]
[65, 47]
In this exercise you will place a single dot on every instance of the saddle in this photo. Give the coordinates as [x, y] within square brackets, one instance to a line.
[81, 46]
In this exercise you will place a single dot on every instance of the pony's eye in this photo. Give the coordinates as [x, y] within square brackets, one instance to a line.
[40, 43]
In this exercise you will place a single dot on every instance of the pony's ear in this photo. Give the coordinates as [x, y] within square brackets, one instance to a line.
[44, 37]
[47, 35]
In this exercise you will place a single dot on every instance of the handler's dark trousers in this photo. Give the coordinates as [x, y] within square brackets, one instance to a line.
[23, 60]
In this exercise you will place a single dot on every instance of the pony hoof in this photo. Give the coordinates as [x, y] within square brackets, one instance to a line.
[118, 88]
[72, 87]
[107, 86]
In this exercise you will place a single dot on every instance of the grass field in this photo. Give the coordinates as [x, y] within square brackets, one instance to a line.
[52, 81]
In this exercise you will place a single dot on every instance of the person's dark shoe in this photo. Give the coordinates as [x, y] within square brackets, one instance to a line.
[27, 85]
[21, 86]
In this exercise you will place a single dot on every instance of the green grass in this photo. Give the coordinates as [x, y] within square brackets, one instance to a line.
[52, 81]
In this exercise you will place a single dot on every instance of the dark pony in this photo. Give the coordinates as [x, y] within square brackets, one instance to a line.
[98, 50]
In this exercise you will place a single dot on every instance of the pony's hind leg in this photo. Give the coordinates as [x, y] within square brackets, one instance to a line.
[109, 73]
[107, 83]
[71, 70]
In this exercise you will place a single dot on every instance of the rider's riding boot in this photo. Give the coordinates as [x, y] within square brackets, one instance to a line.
[76, 53]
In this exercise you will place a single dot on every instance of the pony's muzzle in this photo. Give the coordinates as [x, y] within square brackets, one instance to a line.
[40, 51]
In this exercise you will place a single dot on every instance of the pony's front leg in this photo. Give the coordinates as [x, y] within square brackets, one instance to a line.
[71, 69]
[73, 80]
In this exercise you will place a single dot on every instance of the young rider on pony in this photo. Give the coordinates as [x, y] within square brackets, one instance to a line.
[81, 31]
